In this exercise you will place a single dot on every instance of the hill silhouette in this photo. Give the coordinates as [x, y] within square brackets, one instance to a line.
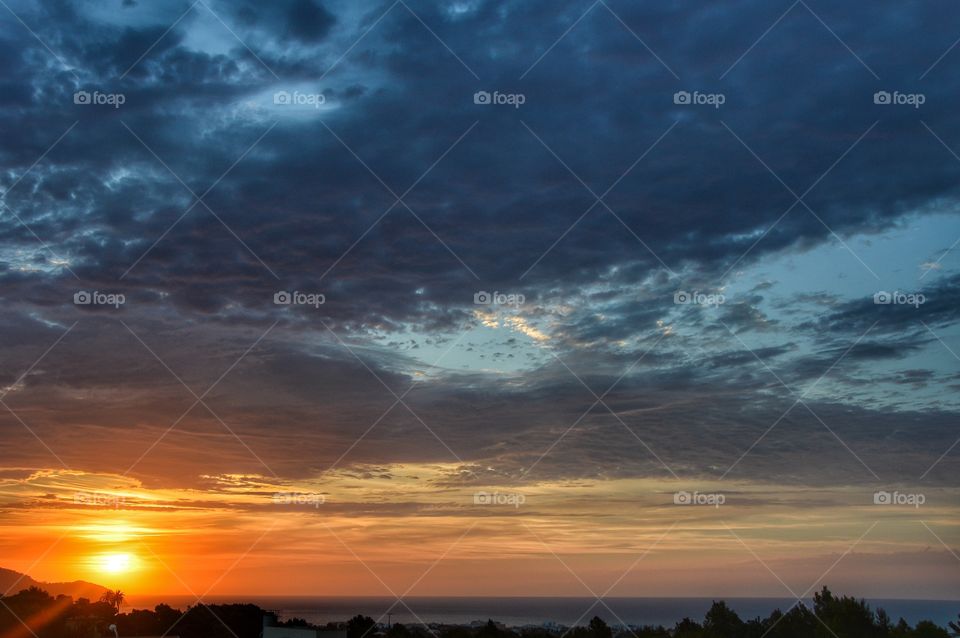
[14, 581]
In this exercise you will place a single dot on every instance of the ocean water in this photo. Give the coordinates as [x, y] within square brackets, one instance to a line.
[517, 612]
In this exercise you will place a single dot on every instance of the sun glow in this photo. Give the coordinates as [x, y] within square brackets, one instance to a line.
[116, 563]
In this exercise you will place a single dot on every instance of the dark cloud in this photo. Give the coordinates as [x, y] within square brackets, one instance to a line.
[492, 200]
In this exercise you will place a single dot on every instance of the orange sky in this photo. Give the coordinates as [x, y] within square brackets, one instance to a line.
[404, 526]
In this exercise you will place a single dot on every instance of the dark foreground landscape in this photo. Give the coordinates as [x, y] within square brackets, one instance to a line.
[34, 613]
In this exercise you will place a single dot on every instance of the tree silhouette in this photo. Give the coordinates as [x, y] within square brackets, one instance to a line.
[722, 622]
[114, 598]
[599, 629]
[360, 626]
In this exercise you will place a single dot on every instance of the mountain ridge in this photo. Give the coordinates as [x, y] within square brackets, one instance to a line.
[15, 582]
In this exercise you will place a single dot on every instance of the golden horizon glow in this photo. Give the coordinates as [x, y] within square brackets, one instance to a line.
[247, 534]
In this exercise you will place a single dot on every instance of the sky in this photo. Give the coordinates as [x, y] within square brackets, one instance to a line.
[481, 298]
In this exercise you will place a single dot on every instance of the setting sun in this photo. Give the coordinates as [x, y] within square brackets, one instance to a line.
[116, 563]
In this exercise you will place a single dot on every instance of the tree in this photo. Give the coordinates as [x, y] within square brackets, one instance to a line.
[927, 629]
[722, 622]
[843, 617]
[599, 629]
[360, 626]
[114, 598]
[687, 628]
[955, 626]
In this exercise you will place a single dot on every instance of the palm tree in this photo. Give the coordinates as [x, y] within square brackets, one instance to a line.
[113, 598]
[955, 626]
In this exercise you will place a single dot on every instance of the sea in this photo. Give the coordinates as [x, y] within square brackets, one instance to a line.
[539, 611]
